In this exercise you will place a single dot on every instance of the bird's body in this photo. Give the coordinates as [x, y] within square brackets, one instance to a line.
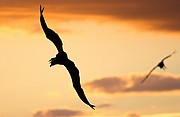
[161, 65]
[62, 59]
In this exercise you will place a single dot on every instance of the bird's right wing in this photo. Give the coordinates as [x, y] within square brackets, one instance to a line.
[169, 55]
[50, 34]
[74, 73]
[148, 74]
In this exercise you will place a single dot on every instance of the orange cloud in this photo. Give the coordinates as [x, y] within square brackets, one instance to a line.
[172, 114]
[125, 84]
[153, 14]
[132, 114]
[105, 105]
[58, 112]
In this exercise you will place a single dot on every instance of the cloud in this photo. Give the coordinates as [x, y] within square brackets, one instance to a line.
[152, 14]
[132, 114]
[67, 112]
[136, 114]
[105, 105]
[57, 113]
[131, 84]
[173, 114]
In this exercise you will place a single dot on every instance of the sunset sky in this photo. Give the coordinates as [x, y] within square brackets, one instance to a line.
[114, 43]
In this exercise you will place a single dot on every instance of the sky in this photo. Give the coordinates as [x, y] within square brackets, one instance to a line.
[114, 44]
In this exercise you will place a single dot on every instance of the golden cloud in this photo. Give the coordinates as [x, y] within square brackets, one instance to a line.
[58, 112]
[157, 83]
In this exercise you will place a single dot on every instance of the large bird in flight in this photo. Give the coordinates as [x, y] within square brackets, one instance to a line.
[161, 65]
[62, 59]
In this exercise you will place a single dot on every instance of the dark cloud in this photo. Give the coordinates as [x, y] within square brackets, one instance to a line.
[58, 113]
[131, 84]
[152, 14]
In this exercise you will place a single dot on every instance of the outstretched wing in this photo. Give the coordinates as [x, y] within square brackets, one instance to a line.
[168, 56]
[148, 74]
[50, 34]
[74, 73]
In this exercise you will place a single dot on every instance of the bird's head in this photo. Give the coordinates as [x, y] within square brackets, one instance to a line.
[60, 58]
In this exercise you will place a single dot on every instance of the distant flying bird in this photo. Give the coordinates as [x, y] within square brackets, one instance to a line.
[62, 59]
[160, 65]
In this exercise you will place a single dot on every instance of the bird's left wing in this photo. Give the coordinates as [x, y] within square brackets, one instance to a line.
[50, 34]
[148, 74]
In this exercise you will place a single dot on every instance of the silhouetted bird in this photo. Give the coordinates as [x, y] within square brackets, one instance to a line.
[62, 59]
[160, 65]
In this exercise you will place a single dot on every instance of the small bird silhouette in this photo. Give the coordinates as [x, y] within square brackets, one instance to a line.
[161, 65]
[62, 59]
